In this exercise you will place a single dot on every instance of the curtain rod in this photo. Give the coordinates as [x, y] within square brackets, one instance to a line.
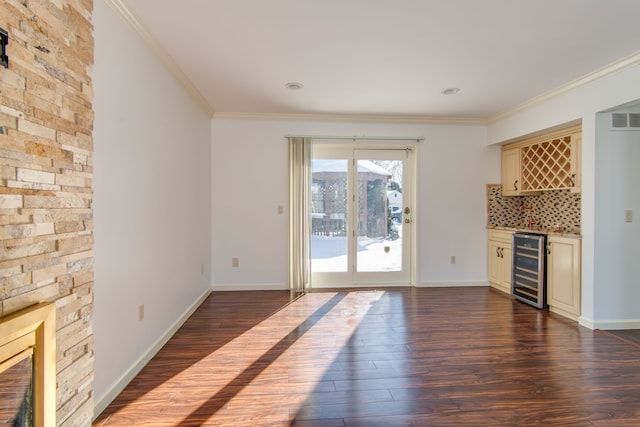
[354, 138]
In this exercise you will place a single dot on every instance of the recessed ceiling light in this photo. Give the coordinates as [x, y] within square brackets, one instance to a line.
[451, 91]
[294, 85]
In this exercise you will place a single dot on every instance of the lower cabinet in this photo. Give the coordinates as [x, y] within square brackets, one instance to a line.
[563, 276]
[500, 254]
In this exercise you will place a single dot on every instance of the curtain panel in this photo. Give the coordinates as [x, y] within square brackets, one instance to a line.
[299, 214]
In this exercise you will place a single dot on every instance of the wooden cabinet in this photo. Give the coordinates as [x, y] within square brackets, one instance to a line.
[547, 162]
[576, 163]
[563, 276]
[500, 259]
[510, 172]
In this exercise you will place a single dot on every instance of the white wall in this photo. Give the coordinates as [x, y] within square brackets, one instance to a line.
[618, 242]
[152, 203]
[582, 102]
[250, 181]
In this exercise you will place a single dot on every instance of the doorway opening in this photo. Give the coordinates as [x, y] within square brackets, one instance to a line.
[362, 215]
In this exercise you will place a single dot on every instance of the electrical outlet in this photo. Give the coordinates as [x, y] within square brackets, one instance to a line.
[141, 312]
[235, 262]
[453, 259]
[628, 215]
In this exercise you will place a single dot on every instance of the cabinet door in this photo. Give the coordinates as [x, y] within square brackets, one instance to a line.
[495, 266]
[563, 276]
[507, 260]
[576, 163]
[511, 172]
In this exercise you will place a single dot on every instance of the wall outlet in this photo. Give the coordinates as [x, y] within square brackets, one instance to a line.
[141, 312]
[453, 259]
[235, 262]
[628, 215]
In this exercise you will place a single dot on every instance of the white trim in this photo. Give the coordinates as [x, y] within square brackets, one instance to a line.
[451, 283]
[154, 46]
[250, 287]
[352, 118]
[102, 402]
[587, 323]
[615, 324]
[620, 65]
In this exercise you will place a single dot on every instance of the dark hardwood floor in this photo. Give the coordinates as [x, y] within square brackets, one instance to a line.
[391, 357]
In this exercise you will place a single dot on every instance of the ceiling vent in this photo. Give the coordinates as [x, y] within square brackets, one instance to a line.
[625, 120]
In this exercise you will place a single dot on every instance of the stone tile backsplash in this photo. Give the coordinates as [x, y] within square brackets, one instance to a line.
[549, 209]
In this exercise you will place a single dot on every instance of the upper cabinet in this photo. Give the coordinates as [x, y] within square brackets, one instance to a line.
[547, 162]
[511, 172]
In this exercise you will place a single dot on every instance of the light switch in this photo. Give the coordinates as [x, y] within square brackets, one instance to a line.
[628, 215]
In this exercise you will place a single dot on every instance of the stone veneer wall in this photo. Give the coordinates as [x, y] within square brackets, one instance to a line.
[549, 208]
[46, 230]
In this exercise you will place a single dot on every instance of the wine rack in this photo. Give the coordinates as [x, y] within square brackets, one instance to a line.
[546, 165]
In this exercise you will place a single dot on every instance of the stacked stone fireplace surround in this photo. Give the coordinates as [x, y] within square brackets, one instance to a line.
[46, 218]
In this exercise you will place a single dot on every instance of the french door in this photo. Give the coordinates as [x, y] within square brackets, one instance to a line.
[362, 216]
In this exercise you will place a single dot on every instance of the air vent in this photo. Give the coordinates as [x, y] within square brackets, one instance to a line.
[625, 120]
[619, 120]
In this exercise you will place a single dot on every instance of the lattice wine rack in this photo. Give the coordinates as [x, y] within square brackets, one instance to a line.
[547, 165]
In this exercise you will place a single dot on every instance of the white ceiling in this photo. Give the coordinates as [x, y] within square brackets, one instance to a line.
[387, 57]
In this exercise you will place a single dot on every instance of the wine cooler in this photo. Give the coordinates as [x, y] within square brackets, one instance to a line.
[528, 282]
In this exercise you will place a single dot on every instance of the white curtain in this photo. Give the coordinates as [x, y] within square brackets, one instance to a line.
[299, 214]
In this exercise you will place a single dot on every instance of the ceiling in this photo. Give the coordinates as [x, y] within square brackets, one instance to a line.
[382, 57]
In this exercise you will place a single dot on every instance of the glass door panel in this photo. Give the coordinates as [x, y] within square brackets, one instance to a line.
[379, 239]
[329, 243]
[361, 216]
[384, 200]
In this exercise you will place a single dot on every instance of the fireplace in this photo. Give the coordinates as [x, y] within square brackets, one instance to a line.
[27, 367]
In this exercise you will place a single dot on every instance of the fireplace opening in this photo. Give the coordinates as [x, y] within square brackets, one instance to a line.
[16, 393]
[28, 367]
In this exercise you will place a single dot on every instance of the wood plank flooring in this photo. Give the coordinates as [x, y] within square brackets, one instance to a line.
[389, 357]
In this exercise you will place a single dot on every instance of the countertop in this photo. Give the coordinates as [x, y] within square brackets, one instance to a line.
[538, 231]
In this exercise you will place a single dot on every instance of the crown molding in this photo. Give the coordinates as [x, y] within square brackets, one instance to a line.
[352, 118]
[152, 43]
[607, 70]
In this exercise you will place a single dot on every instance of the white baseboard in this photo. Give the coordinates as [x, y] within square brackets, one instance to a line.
[614, 324]
[452, 283]
[250, 287]
[430, 284]
[284, 286]
[101, 402]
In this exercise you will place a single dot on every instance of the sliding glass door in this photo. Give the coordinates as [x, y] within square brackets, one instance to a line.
[362, 216]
